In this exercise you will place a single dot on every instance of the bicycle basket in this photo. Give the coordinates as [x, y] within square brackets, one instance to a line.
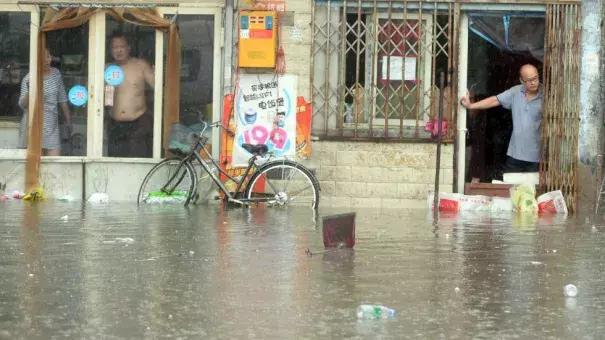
[182, 139]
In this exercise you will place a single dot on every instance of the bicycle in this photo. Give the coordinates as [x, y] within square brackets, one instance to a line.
[269, 174]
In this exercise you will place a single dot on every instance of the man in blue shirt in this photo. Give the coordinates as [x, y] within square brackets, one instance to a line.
[525, 103]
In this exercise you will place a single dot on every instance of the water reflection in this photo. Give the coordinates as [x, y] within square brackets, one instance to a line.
[209, 272]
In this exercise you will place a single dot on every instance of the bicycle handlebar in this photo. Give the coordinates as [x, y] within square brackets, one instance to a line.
[215, 124]
[220, 124]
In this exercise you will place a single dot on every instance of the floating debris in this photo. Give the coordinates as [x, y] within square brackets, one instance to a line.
[570, 290]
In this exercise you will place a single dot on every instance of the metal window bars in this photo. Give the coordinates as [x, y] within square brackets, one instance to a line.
[374, 67]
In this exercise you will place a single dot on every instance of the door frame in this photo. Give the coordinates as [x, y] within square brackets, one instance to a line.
[459, 181]
[217, 12]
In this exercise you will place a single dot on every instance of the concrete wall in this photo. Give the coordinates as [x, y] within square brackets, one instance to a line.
[121, 181]
[379, 175]
[591, 107]
[351, 174]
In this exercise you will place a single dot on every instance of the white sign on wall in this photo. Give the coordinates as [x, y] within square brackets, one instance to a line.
[265, 110]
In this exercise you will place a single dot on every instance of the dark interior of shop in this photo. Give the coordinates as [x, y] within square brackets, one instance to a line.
[492, 69]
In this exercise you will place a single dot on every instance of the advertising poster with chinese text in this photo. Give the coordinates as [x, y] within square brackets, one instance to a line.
[265, 110]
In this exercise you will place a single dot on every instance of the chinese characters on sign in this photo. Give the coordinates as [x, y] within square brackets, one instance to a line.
[265, 114]
[276, 5]
[78, 95]
[395, 66]
[114, 75]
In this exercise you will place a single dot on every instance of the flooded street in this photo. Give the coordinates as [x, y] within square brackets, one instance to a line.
[165, 272]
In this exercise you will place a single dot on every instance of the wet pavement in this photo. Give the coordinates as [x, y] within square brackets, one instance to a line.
[165, 272]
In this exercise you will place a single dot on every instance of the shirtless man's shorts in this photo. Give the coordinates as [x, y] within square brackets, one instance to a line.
[130, 126]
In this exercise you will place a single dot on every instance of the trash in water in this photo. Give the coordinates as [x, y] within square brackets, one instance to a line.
[36, 194]
[64, 218]
[570, 290]
[524, 198]
[536, 263]
[160, 197]
[98, 197]
[339, 230]
[127, 240]
[374, 312]
[17, 194]
[67, 198]
[457, 289]
[552, 202]
[453, 202]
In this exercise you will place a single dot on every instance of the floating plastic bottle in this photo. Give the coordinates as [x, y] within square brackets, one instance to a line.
[570, 290]
[374, 312]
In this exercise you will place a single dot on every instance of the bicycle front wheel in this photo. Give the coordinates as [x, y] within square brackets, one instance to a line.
[283, 183]
[170, 181]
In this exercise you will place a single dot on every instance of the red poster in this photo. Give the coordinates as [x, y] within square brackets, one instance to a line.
[304, 112]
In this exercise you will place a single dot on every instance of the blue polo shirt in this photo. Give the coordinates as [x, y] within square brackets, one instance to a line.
[527, 116]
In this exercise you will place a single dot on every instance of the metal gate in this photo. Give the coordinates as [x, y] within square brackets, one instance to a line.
[561, 106]
[375, 68]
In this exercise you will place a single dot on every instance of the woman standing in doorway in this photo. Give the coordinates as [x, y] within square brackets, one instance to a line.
[54, 96]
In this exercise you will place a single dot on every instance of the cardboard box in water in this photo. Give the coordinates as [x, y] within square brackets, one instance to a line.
[339, 231]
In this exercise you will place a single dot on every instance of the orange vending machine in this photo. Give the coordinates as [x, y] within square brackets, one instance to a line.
[257, 39]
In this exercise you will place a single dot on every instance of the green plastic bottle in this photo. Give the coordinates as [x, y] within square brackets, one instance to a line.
[374, 312]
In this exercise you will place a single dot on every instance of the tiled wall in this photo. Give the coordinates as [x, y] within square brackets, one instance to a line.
[388, 175]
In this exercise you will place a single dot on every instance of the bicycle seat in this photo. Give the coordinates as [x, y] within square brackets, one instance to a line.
[256, 150]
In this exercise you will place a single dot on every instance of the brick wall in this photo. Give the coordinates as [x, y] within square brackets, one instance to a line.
[379, 175]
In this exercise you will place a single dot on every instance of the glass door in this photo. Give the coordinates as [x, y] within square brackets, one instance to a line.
[200, 32]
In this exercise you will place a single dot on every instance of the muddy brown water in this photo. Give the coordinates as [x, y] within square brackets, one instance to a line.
[165, 272]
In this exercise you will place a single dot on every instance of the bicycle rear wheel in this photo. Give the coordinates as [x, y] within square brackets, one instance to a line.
[283, 183]
[169, 181]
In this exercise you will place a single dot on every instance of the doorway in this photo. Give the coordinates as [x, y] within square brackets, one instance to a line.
[498, 45]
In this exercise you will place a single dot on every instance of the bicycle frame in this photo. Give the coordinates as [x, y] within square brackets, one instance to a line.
[215, 178]
[195, 155]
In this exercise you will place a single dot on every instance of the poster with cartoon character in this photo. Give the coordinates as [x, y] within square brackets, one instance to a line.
[265, 108]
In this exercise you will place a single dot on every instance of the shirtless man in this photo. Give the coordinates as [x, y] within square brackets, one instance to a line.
[525, 103]
[130, 126]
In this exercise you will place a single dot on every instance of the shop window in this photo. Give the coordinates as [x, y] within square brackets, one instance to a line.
[197, 67]
[129, 90]
[14, 66]
[69, 51]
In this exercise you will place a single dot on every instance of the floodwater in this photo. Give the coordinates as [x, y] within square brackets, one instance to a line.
[166, 272]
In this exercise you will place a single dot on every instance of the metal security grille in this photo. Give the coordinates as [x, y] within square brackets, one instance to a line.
[376, 65]
[561, 115]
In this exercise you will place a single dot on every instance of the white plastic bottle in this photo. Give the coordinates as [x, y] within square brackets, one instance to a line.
[374, 312]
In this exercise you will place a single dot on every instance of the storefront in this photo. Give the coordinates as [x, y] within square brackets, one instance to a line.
[370, 71]
[375, 79]
[83, 55]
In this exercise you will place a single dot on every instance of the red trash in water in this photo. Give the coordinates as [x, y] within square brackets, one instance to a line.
[339, 231]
